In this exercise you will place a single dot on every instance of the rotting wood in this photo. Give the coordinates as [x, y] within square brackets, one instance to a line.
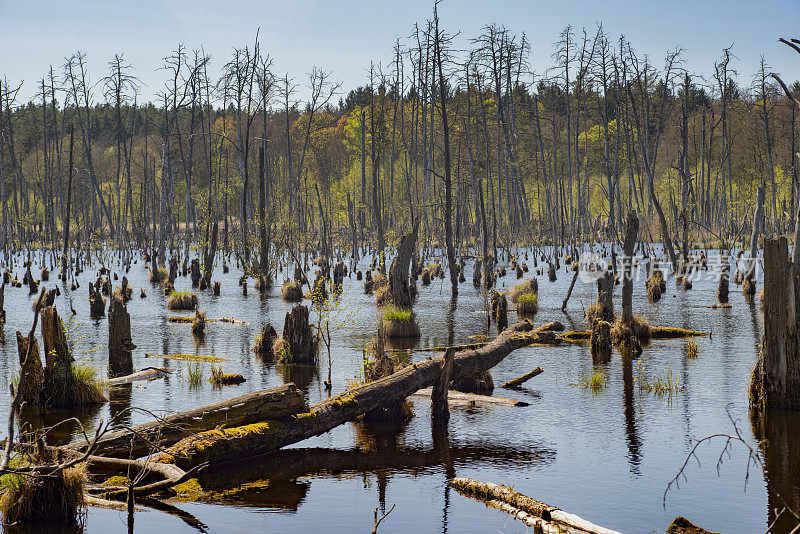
[488, 491]
[457, 398]
[148, 373]
[517, 382]
[235, 443]
[187, 357]
[276, 402]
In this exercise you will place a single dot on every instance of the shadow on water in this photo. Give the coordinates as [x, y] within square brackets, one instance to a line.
[780, 446]
[74, 421]
[628, 397]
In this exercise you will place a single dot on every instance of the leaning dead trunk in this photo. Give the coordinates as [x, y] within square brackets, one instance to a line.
[259, 438]
[271, 403]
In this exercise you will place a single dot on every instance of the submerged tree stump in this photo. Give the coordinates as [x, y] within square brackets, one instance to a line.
[120, 344]
[32, 382]
[264, 341]
[775, 381]
[195, 270]
[297, 343]
[62, 386]
[398, 271]
[724, 276]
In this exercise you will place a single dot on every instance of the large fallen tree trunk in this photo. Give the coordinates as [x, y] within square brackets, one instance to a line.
[235, 443]
[140, 440]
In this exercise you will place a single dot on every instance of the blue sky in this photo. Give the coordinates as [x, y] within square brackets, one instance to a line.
[344, 35]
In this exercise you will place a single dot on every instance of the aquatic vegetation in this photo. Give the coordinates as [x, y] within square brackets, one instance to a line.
[597, 381]
[195, 375]
[692, 350]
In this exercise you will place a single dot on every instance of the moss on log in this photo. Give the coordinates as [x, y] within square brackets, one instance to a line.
[266, 436]
[277, 402]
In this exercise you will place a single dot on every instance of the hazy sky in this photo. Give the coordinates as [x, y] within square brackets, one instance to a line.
[344, 35]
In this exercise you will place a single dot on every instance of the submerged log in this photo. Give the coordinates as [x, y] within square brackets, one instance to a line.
[276, 402]
[458, 398]
[148, 373]
[517, 382]
[487, 491]
[265, 436]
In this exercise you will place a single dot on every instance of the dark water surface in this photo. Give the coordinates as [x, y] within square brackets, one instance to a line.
[606, 456]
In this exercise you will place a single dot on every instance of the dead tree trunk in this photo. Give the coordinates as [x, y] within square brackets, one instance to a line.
[776, 378]
[120, 345]
[398, 271]
[631, 233]
[271, 403]
[265, 436]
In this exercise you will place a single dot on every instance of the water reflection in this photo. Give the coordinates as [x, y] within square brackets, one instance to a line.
[780, 445]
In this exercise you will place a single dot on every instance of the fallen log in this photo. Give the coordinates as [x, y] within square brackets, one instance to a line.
[148, 373]
[268, 435]
[515, 502]
[187, 357]
[457, 398]
[656, 332]
[276, 402]
[190, 318]
[517, 382]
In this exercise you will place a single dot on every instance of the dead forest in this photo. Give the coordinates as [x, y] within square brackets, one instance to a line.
[459, 170]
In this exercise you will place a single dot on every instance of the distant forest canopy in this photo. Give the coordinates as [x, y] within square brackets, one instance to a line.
[562, 155]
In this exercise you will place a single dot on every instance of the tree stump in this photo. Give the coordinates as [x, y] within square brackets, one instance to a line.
[723, 286]
[120, 345]
[398, 270]
[298, 338]
[775, 382]
[264, 341]
[32, 381]
[195, 272]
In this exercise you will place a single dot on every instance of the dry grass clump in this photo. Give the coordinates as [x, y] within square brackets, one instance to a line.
[639, 328]
[182, 300]
[291, 291]
[74, 386]
[399, 323]
[53, 500]
[594, 313]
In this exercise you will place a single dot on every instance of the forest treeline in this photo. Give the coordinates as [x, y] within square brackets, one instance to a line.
[470, 142]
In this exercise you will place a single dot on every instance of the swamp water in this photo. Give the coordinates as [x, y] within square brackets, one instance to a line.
[605, 455]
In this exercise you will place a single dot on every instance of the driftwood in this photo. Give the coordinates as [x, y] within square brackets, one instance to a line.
[276, 402]
[457, 398]
[517, 382]
[187, 357]
[524, 508]
[269, 435]
[148, 373]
